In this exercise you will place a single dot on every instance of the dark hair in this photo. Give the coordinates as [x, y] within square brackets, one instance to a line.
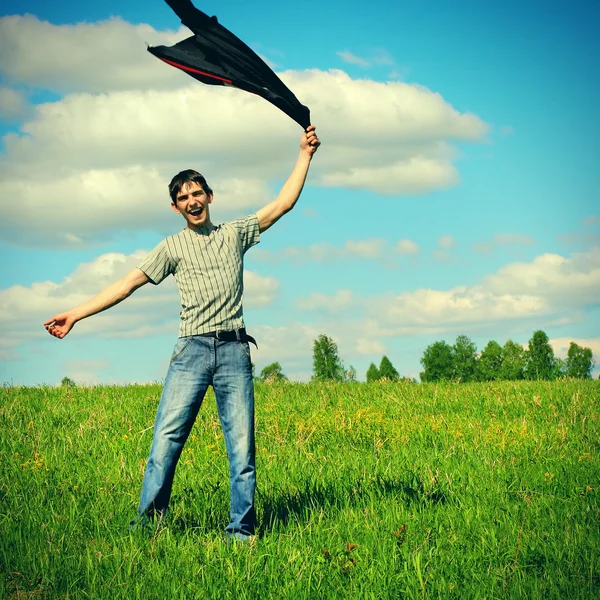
[187, 176]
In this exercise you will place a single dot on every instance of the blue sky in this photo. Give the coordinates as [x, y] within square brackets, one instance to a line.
[456, 191]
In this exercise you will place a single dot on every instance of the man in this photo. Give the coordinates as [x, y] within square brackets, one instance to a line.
[212, 348]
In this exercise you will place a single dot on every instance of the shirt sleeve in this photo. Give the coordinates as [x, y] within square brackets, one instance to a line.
[248, 231]
[158, 264]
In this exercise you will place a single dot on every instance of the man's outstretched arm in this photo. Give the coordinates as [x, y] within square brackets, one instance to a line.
[290, 192]
[60, 324]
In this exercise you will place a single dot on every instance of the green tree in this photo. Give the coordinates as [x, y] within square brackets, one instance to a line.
[559, 368]
[464, 359]
[539, 357]
[437, 362]
[387, 370]
[513, 361]
[373, 373]
[580, 362]
[273, 372]
[490, 362]
[327, 365]
[67, 382]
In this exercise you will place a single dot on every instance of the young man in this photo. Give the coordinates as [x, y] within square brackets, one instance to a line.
[212, 349]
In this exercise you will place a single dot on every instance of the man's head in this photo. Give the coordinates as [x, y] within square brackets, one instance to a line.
[190, 197]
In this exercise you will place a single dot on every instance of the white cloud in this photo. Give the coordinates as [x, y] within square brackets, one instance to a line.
[446, 241]
[13, 104]
[352, 59]
[75, 210]
[125, 127]
[561, 346]
[259, 291]
[379, 57]
[592, 221]
[66, 58]
[383, 57]
[353, 339]
[407, 247]
[411, 176]
[99, 154]
[369, 249]
[289, 345]
[544, 287]
[85, 371]
[541, 291]
[503, 240]
[369, 347]
[102, 156]
[558, 280]
[444, 256]
[377, 249]
[536, 294]
[510, 239]
[341, 300]
[150, 310]
[366, 248]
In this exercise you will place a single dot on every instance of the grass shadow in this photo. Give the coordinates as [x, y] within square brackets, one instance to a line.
[298, 504]
[281, 506]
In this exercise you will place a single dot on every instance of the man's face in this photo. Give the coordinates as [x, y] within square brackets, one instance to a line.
[192, 202]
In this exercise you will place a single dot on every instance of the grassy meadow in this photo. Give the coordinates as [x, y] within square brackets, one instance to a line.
[364, 491]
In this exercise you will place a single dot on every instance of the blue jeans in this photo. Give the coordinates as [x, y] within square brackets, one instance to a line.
[196, 363]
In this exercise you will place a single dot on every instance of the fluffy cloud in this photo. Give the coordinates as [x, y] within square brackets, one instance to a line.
[341, 300]
[352, 59]
[107, 142]
[353, 339]
[407, 247]
[376, 249]
[557, 280]
[150, 310]
[77, 57]
[84, 371]
[379, 57]
[592, 221]
[446, 241]
[543, 288]
[73, 210]
[259, 291]
[13, 104]
[126, 120]
[561, 345]
[503, 240]
[274, 344]
[369, 347]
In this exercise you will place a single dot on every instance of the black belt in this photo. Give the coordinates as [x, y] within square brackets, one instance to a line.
[239, 335]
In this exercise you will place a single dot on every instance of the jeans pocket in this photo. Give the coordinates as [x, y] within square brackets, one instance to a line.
[180, 347]
[245, 349]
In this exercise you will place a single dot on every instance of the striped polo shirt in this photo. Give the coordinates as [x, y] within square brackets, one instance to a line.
[208, 266]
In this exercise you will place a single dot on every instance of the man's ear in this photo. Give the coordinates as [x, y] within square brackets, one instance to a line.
[210, 197]
[174, 207]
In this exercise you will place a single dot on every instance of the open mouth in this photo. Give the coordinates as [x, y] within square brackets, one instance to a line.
[196, 212]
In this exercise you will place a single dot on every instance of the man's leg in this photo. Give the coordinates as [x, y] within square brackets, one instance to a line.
[189, 376]
[234, 391]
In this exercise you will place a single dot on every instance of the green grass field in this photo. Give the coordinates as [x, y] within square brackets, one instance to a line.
[364, 491]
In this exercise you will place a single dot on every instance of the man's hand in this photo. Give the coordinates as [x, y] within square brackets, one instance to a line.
[59, 325]
[309, 142]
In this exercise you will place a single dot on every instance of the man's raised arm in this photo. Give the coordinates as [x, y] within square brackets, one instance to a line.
[60, 324]
[290, 192]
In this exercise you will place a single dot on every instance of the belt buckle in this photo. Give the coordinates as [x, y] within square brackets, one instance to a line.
[219, 332]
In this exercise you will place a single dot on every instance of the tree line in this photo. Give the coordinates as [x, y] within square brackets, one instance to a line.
[459, 362]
